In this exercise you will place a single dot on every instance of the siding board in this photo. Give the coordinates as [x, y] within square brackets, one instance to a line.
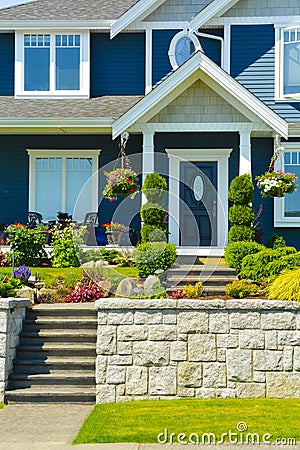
[7, 57]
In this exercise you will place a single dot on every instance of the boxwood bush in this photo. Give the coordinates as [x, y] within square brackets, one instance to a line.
[241, 215]
[285, 262]
[155, 187]
[241, 289]
[255, 267]
[241, 190]
[152, 256]
[236, 251]
[241, 233]
[153, 213]
[154, 233]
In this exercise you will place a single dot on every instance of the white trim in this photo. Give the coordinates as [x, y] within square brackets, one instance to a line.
[57, 124]
[140, 9]
[213, 71]
[200, 127]
[29, 25]
[221, 156]
[174, 42]
[278, 66]
[173, 25]
[245, 153]
[148, 61]
[279, 219]
[216, 7]
[148, 158]
[254, 20]
[84, 153]
[227, 48]
[84, 68]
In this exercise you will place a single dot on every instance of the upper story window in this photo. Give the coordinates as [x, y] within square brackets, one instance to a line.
[52, 65]
[288, 64]
[182, 47]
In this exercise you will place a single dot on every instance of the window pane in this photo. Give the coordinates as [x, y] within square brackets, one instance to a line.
[48, 187]
[184, 49]
[292, 201]
[76, 179]
[291, 68]
[36, 69]
[67, 68]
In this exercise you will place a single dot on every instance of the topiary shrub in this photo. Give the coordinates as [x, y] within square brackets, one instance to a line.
[254, 267]
[285, 262]
[241, 190]
[241, 289]
[285, 287]
[154, 233]
[236, 251]
[241, 233]
[276, 241]
[155, 187]
[153, 213]
[152, 256]
[241, 215]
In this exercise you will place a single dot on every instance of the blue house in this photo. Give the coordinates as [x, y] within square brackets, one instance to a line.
[206, 89]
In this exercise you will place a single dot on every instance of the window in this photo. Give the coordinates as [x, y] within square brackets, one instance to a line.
[288, 64]
[287, 209]
[52, 64]
[56, 180]
[182, 47]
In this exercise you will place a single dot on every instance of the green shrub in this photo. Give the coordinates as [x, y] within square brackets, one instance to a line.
[241, 289]
[241, 215]
[285, 287]
[27, 244]
[9, 287]
[241, 190]
[254, 267]
[241, 233]
[190, 291]
[285, 262]
[276, 241]
[154, 233]
[152, 256]
[153, 213]
[66, 245]
[236, 251]
[155, 187]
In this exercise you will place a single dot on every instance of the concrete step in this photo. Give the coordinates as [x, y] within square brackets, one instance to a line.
[66, 323]
[62, 310]
[212, 281]
[33, 350]
[52, 394]
[52, 335]
[50, 363]
[202, 269]
[68, 378]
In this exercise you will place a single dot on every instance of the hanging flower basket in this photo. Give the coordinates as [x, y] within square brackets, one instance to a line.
[276, 183]
[121, 181]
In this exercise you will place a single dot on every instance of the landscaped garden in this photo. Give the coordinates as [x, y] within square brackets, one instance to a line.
[155, 421]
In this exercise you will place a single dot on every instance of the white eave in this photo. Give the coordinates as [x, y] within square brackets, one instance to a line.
[55, 25]
[141, 9]
[215, 8]
[56, 123]
[212, 70]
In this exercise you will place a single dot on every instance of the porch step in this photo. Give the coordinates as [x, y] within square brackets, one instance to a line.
[56, 356]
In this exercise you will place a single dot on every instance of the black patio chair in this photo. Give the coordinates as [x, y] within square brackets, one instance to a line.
[91, 223]
[34, 219]
[91, 218]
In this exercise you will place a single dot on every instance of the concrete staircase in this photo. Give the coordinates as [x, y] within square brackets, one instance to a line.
[56, 355]
[213, 274]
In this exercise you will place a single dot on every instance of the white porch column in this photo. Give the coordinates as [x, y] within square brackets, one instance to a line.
[245, 152]
[148, 61]
[148, 157]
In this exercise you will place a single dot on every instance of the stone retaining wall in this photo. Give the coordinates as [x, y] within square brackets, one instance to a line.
[12, 314]
[190, 348]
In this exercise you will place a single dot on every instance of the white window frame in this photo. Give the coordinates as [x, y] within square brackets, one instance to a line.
[173, 44]
[279, 64]
[279, 219]
[84, 70]
[34, 154]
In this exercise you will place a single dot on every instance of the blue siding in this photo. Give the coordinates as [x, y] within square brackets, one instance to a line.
[7, 57]
[253, 65]
[212, 47]
[117, 65]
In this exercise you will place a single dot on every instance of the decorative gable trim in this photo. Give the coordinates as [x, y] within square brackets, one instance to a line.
[156, 98]
[137, 11]
[217, 7]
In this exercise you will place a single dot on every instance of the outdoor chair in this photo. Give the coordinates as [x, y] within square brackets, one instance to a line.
[91, 222]
[34, 219]
[91, 218]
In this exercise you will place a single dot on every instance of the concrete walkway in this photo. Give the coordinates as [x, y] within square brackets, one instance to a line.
[54, 426]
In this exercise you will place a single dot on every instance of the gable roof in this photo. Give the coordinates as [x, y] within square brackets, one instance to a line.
[62, 10]
[217, 75]
[216, 7]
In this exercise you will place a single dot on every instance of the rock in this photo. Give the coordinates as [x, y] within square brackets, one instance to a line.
[88, 265]
[27, 292]
[45, 295]
[150, 283]
[126, 288]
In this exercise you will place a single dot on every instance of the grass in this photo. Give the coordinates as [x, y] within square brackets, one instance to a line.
[49, 275]
[142, 421]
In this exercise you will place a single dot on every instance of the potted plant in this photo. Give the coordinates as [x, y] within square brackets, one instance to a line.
[61, 215]
[114, 232]
[275, 183]
[120, 181]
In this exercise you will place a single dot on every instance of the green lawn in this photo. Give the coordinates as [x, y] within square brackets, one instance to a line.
[142, 421]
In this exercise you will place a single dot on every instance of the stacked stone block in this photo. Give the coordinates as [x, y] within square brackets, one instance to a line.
[202, 349]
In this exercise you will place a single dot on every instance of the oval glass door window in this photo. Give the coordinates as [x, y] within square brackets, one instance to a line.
[185, 48]
[198, 188]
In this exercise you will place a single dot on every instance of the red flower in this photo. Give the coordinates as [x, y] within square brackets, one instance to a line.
[132, 190]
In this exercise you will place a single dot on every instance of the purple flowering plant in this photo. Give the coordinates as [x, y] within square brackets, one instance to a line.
[120, 181]
[23, 273]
